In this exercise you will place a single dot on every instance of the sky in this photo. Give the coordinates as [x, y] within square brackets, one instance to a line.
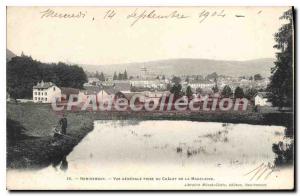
[223, 33]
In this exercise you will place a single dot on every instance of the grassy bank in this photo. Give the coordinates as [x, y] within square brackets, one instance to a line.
[30, 142]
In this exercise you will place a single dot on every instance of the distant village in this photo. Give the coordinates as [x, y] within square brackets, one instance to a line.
[153, 87]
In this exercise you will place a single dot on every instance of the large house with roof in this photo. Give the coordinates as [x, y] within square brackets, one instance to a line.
[45, 92]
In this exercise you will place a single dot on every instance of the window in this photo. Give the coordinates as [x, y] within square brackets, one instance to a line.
[35, 93]
[39, 93]
[35, 98]
[45, 99]
[45, 93]
[42, 93]
[39, 98]
[54, 88]
[42, 98]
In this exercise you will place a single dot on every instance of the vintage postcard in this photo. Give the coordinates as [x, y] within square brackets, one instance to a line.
[150, 98]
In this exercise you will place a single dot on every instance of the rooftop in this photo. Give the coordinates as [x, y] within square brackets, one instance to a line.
[43, 85]
[69, 91]
[262, 94]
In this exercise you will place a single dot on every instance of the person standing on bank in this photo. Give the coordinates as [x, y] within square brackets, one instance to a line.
[63, 122]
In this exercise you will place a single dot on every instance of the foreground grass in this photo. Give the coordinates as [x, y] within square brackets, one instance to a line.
[30, 141]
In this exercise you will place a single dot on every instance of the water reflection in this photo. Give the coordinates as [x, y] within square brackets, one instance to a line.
[284, 149]
[177, 143]
[61, 163]
[64, 164]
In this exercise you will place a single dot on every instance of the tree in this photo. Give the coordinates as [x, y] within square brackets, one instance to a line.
[120, 76]
[212, 76]
[239, 92]
[169, 86]
[199, 90]
[187, 79]
[226, 92]
[176, 80]
[176, 90]
[97, 75]
[189, 92]
[250, 93]
[215, 88]
[257, 77]
[67, 75]
[281, 81]
[115, 77]
[24, 72]
[102, 77]
[125, 76]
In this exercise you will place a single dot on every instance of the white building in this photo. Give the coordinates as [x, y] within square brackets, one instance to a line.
[147, 83]
[261, 99]
[93, 80]
[203, 85]
[44, 92]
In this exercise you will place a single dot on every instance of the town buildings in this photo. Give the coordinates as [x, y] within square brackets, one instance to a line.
[150, 89]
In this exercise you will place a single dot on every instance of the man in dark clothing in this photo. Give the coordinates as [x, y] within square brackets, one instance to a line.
[63, 122]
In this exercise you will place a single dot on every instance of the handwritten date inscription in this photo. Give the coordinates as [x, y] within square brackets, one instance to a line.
[136, 15]
[50, 13]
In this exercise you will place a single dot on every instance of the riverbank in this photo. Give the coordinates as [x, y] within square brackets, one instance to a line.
[30, 142]
[247, 117]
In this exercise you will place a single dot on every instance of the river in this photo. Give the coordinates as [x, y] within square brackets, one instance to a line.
[142, 151]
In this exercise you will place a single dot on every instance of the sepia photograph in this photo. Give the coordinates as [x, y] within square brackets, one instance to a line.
[150, 98]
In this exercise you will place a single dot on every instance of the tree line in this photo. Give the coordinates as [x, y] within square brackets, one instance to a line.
[226, 92]
[120, 76]
[23, 73]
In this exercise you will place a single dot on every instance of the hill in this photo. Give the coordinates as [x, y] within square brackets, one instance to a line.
[191, 67]
[9, 55]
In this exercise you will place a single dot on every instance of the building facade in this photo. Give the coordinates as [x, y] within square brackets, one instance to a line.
[261, 99]
[45, 92]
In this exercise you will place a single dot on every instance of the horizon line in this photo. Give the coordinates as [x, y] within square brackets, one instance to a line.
[137, 62]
